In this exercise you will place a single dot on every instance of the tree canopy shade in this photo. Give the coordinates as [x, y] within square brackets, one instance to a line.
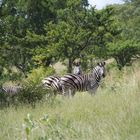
[38, 32]
[78, 30]
[17, 19]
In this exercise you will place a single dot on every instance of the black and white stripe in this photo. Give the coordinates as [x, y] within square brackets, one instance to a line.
[11, 89]
[88, 82]
[52, 83]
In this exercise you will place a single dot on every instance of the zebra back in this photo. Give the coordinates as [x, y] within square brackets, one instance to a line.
[52, 82]
[77, 82]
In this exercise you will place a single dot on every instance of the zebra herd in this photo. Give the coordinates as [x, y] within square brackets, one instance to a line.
[70, 83]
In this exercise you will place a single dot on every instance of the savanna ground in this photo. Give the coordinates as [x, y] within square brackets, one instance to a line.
[112, 114]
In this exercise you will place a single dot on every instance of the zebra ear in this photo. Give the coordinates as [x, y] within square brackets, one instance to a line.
[101, 64]
[104, 63]
[74, 63]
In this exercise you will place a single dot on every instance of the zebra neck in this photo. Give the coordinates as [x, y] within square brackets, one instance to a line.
[96, 75]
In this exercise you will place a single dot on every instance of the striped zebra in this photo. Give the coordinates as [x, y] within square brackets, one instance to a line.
[71, 83]
[11, 89]
[9, 93]
[53, 82]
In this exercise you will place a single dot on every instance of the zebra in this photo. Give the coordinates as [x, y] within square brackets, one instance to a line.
[9, 92]
[71, 83]
[11, 89]
[53, 82]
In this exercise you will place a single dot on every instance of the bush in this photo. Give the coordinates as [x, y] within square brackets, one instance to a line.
[36, 75]
[31, 93]
[32, 89]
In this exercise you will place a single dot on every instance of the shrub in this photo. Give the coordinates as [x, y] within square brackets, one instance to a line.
[32, 89]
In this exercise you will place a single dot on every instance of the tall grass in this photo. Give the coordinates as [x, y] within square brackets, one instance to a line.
[112, 114]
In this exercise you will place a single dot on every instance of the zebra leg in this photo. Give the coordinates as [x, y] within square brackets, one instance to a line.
[64, 90]
[92, 90]
[52, 93]
[69, 92]
[72, 92]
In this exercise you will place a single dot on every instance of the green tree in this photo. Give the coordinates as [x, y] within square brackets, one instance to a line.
[15, 25]
[126, 45]
[123, 51]
[79, 29]
[17, 19]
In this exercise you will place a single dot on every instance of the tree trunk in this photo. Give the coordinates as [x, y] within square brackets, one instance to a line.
[70, 65]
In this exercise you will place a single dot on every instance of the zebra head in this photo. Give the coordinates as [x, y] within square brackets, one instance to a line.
[77, 68]
[99, 70]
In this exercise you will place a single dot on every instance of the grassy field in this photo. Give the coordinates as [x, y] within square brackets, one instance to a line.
[112, 114]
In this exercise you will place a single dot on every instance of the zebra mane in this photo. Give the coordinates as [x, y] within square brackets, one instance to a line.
[101, 64]
[96, 72]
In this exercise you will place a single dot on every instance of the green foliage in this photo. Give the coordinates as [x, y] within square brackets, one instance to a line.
[36, 75]
[125, 46]
[30, 124]
[17, 18]
[83, 29]
[32, 89]
[123, 52]
[129, 18]
[40, 33]
[31, 94]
